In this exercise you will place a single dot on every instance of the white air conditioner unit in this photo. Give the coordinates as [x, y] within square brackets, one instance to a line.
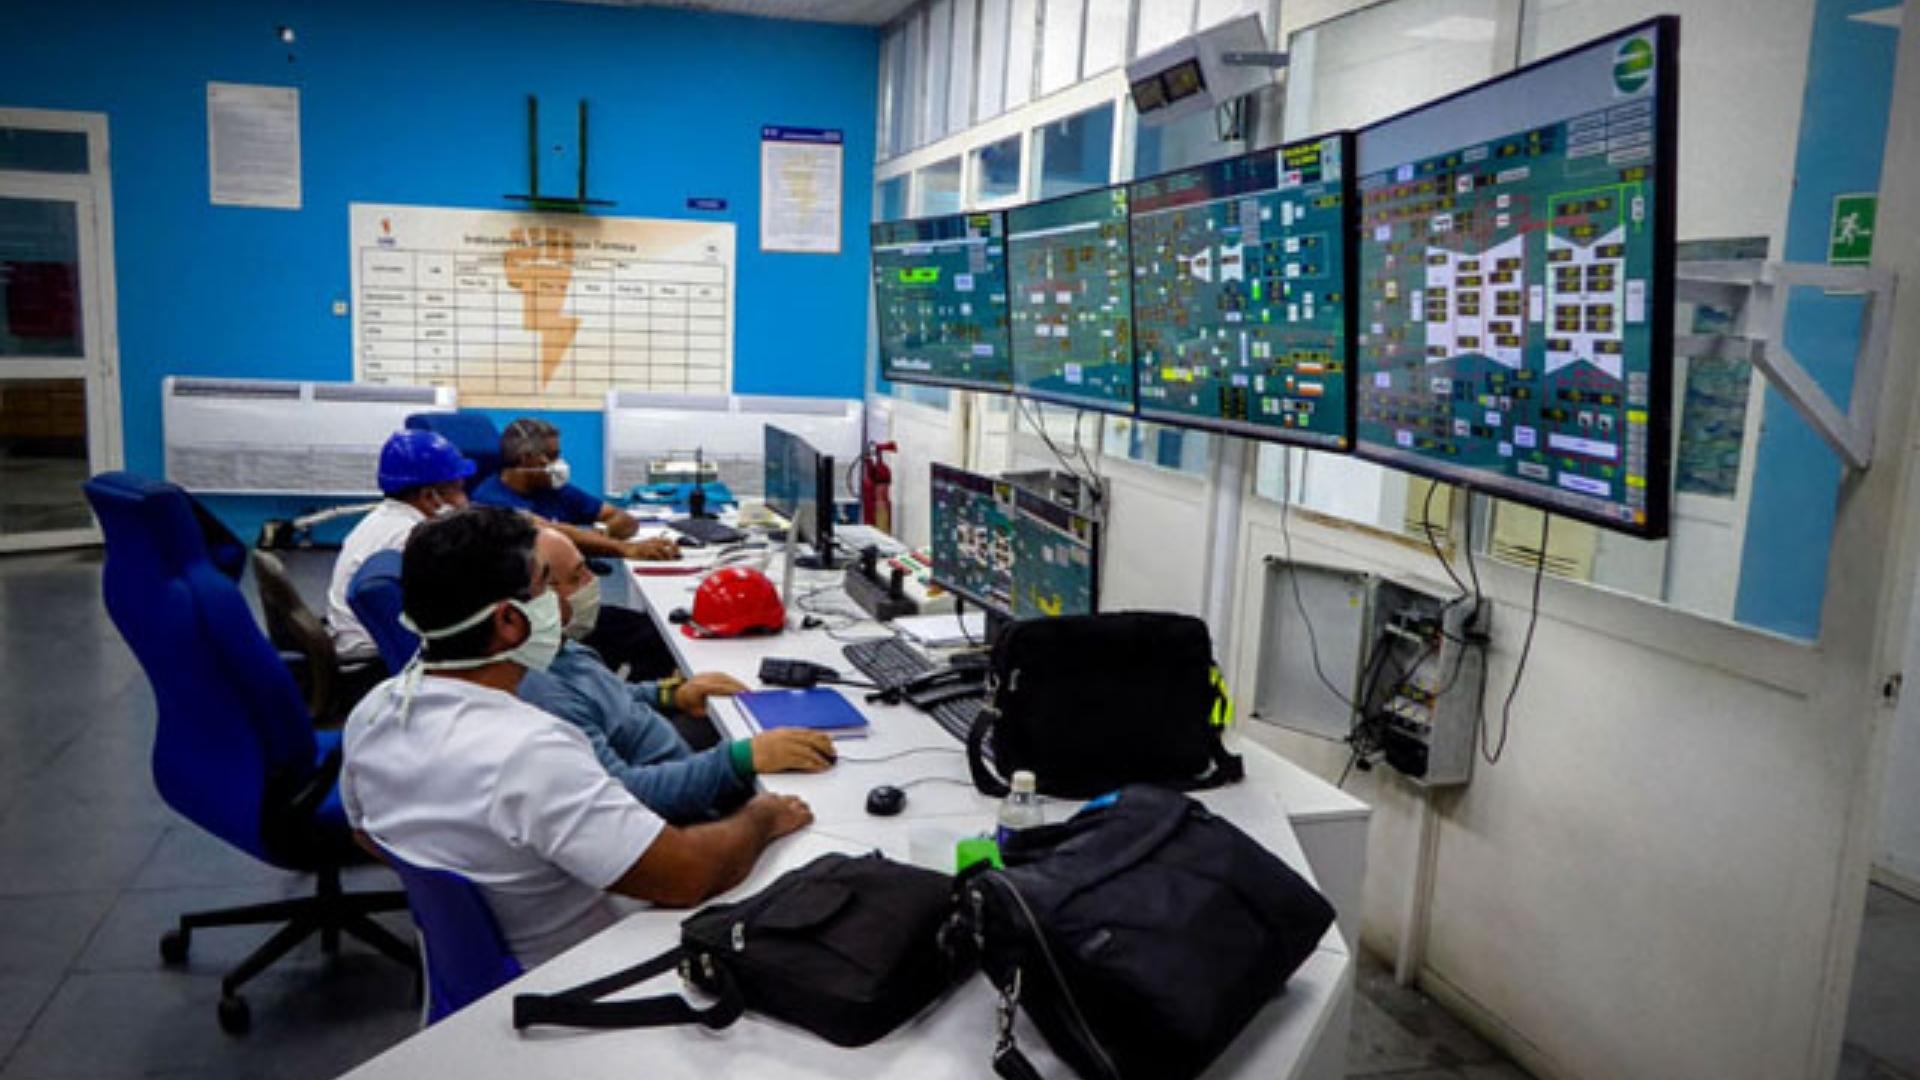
[275, 437]
[1210, 68]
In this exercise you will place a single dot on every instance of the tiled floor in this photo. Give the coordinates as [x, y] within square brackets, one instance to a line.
[1883, 1019]
[93, 867]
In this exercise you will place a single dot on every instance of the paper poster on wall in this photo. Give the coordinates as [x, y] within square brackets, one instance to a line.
[800, 180]
[253, 145]
[541, 310]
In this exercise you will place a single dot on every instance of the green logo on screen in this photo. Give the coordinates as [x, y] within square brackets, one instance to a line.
[1633, 65]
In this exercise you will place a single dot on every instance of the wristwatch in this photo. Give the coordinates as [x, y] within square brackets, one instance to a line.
[666, 688]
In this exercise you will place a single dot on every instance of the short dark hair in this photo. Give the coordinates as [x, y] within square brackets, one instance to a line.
[455, 565]
[525, 438]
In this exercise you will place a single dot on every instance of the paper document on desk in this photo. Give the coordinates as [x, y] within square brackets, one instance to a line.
[944, 630]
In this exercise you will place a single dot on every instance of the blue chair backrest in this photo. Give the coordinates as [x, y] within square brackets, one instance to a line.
[467, 956]
[375, 597]
[472, 433]
[230, 714]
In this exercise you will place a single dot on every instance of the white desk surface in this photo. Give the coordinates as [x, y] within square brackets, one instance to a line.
[1294, 1034]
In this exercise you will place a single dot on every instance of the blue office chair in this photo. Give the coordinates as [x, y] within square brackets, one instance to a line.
[466, 954]
[471, 433]
[235, 751]
[375, 597]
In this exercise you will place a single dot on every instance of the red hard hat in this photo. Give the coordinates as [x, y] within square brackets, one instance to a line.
[734, 601]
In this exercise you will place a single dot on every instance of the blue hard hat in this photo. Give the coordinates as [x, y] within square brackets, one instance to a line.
[412, 459]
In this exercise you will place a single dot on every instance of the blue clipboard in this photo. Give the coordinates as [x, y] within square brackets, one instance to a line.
[818, 709]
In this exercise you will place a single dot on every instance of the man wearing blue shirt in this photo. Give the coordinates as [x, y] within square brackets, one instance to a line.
[535, 478]
[636, 744]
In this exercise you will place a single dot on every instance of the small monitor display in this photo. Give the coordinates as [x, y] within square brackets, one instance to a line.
[1241, 289]
[1516, 263]
[940, 298]
[971, 521]
[1070, 285]
[1056, 559]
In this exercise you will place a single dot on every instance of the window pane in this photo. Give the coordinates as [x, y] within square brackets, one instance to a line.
[1161, 22]
[1106, 35]
[937, 188]
[1189, 140]
[43, 455]
[1060, 49]
[1020, 45]
[1075, 153]
[913, 81]
[996, 171]
[1177, 449]
[991, 93]
[883, 101]
[939, 57]
[39, 278]
[890, 202]
[1376, 62]
[34, 150]
[960, 68]
[1215, 12]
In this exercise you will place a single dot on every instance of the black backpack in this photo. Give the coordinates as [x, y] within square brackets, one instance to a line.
[1141, 935]
[1090, 702]
[846, 947]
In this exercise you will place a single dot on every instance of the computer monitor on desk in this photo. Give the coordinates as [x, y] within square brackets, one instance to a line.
[799, 487]
[1012, 552]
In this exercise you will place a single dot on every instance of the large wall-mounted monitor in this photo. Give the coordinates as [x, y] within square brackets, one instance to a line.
[1516, 283]
[1242, 290]
[940, 297]
[1070, 289]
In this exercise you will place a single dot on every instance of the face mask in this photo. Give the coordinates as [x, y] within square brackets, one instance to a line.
[586, 609]
[536, 653]
[560, 472]
[441, 510]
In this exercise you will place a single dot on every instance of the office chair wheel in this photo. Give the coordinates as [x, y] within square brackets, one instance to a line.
[235, 1017]
[173, 946]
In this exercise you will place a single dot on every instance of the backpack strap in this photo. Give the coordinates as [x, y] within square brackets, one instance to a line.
[983, 778]
[580, 1007]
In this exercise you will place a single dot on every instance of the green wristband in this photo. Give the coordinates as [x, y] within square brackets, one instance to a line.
[741, 754]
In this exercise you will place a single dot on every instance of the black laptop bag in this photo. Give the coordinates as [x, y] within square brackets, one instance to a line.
[846, 947]
[1141, 935]
[1090, 702]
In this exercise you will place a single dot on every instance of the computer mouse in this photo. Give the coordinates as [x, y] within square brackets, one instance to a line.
[885, 800]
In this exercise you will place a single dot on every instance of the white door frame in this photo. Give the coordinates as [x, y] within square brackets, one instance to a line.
[92, 196]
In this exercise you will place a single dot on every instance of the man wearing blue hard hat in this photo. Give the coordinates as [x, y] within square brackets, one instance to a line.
[422, 476]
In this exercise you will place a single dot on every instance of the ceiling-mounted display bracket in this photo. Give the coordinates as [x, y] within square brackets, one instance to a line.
[578, 202]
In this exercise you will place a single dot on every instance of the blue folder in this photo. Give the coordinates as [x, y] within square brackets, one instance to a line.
[819, 708]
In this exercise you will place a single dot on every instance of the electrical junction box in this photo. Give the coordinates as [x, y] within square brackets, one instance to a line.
[1423, 682]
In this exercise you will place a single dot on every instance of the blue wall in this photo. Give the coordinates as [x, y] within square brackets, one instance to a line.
[423, 101]
[1796, 479]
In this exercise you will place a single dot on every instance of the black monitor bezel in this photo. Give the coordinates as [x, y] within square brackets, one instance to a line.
[1113, 408]
[1666, 35]
[915, 378]
[823, 471]
[1350, 280]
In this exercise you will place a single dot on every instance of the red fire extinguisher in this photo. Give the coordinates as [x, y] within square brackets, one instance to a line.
[876, 486]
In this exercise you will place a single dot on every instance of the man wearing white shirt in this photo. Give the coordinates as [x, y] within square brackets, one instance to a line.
[421, 475]
[447, 769]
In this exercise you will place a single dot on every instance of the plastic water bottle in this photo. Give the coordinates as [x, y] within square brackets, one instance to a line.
[1020, 809]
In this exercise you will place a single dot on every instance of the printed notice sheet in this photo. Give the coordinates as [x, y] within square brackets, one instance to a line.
[800, 180]
[541, 310]
[253, 145]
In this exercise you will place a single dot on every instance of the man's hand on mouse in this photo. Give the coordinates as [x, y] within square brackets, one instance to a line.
[792, 750]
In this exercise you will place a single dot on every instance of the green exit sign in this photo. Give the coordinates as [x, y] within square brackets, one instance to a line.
[1850, 236]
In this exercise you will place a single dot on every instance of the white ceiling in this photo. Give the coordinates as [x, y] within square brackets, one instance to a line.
[854, 12]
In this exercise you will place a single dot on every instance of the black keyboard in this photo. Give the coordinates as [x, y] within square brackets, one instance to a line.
[892, 662]
[887, 661]
[706, 530]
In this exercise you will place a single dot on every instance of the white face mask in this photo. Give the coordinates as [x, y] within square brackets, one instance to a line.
[585, 602]
[441, 510]
[535, 653]
[560, 472]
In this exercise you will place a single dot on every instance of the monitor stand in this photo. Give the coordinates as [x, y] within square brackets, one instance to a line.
[821, 560]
